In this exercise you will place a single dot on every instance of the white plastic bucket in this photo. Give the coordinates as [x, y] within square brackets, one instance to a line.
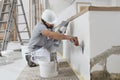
[47, 69]
[24, 51]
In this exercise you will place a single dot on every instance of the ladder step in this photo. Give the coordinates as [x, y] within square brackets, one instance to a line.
[18, 5]
[20, 14]
[2, 31]
[7, 3]
[25, 40]
[21, 23]
[5, 12]
[3, 21]
[22, 31]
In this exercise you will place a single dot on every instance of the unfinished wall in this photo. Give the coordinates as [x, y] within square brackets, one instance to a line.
[76, 57]
[104, 33]
[99, 31]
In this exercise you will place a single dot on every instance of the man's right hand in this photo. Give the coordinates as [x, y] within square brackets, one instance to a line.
[75, 41]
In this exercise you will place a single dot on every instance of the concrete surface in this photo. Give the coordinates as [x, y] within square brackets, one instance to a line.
[11, 64]
[11, 71]
[13, 67]
[65, 73]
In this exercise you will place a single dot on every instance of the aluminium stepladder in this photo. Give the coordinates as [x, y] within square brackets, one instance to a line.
[11, 18]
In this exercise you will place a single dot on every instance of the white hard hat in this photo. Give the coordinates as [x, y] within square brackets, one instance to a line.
[49, 16]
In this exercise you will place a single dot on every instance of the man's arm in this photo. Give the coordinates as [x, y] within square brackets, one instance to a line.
[56, 35]
[59, 36]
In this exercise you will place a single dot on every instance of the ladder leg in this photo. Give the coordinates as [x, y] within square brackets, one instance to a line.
[4, 6]
[7, 31]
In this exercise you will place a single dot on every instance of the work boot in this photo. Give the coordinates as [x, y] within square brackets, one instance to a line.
[30, 63]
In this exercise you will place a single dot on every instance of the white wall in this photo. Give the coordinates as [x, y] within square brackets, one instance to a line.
[113, 2]
[59, 5]
[106, 2]
[117, 2]
[79, 60]
[101, 2]
[104, 30]
[104, 33]
[67, 13]
[113, 64]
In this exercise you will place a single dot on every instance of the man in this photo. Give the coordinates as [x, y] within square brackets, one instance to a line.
[44, 41]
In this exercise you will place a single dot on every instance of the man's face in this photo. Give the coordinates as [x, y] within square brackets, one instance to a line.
[50, 25]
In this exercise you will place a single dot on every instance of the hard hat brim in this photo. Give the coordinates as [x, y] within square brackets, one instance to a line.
[54, 22]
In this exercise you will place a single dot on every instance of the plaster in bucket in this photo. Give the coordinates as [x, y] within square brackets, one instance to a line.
[47, 69]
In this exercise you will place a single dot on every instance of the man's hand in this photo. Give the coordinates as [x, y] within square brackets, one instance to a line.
[75, 41]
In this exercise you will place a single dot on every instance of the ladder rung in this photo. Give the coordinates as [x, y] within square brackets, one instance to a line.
[7, 3]
[2, 31]
[21, 23]
[3, 21]
[18, 5]
[25, 40]
[22, 31]
[5, 12]
[20, 14]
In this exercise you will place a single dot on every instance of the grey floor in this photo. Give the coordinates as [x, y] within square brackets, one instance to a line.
[65, 73]
[13, 67]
